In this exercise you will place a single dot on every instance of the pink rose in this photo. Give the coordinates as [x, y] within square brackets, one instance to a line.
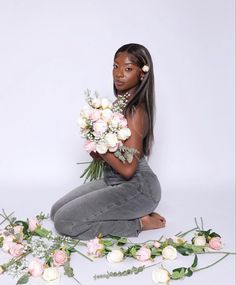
[33, 224]
[157, 244]
[7, 243]
[35, 267]
[99, 127]
[59, 257]
[95, 247]
[16, 249]
[123, 123]
[143, 254]
[95, 115]
[215, 243]
[90, 146]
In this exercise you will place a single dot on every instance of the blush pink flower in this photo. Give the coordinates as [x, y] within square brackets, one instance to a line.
[16, 249]
[99, 127]
[33, 224]
[35, 267]
[59, 257]
[95, 115]
[95, 247]
[157, 244]
[215, 243]
[143, 254]
[90, 146]
[7, 243]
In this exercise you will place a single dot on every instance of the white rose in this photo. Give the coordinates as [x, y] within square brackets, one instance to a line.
[200, 241]
[178, 240]
[96, 103]
[107, 115]
[123, 134]
[101, 147]
[85, 112]
[115, 256]
[114, 122]
[111, 140]
[169, 252]
[160, 275]
[51, 274]
[105, 103]
[82, 122]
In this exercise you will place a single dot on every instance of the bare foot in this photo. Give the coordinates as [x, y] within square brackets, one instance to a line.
[153, 221]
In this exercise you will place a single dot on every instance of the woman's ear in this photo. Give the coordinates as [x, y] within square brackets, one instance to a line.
[142, 75]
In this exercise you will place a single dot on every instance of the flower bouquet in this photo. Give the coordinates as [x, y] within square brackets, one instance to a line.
[105, 129]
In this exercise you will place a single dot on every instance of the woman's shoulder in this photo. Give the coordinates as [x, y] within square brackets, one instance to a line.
[140, 112]
[138, 118]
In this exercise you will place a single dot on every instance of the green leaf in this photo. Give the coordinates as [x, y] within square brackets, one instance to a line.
[189, 272]
[195, 262]
[178, 273]
[24, 279]
[155, 251]
[133, 251]
[68, 271]
[184, 250]
[214, 235]
[42, 232]
[122, 241]
[107, 242]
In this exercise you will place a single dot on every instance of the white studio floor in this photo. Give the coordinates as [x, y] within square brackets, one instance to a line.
[218, 212]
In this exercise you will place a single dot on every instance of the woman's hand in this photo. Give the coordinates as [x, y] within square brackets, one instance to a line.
[95, 155]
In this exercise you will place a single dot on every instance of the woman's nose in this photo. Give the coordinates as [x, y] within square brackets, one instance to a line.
[119, 73]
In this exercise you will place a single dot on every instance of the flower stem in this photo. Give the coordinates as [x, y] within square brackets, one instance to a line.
[151, 265]
[185, 233]
[196, 223]
[76, 280]
[90, 259]
[6, 217]
[202, 224]
[212, 264]
[215, 252]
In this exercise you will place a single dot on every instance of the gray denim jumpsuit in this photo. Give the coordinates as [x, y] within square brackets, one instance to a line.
[111, 205]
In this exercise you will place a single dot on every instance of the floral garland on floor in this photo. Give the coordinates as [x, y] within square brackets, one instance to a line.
[37, 252]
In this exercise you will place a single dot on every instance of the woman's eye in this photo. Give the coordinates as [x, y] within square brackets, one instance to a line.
[115, 66]
[128, 69]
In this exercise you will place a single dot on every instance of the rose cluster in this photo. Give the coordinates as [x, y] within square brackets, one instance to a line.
[21, 239]
[116, 250]
[104, 129]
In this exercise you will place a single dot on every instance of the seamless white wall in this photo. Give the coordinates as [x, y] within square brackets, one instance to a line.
[51, 51]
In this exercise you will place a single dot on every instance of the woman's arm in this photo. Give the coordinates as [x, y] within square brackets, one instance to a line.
[138, 124]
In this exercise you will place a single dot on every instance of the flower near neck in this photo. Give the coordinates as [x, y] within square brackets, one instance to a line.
[145, 68]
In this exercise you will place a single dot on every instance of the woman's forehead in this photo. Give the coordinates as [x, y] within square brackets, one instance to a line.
[126, 57]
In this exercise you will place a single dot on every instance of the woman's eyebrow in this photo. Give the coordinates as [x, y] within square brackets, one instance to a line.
[126, 63]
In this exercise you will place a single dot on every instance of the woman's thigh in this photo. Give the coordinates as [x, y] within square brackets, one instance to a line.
[123, 201]
[76, 193]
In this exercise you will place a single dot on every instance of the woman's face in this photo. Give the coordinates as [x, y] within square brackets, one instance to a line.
[126, 74]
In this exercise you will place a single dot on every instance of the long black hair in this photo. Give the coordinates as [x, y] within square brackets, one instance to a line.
[145, 93]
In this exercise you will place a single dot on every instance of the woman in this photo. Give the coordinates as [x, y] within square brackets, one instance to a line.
[122, 203]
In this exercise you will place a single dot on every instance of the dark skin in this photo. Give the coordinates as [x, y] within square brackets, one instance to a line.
[127, 77]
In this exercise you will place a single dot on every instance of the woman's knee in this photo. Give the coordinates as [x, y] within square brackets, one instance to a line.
[62, 225]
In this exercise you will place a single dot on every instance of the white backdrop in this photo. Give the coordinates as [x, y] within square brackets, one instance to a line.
[51, 51]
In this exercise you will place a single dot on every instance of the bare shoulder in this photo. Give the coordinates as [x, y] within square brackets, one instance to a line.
[138, 120]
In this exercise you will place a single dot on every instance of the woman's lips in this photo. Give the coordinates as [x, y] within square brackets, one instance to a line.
[119, 83]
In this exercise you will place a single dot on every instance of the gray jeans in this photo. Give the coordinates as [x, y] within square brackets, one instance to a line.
[111, 205]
